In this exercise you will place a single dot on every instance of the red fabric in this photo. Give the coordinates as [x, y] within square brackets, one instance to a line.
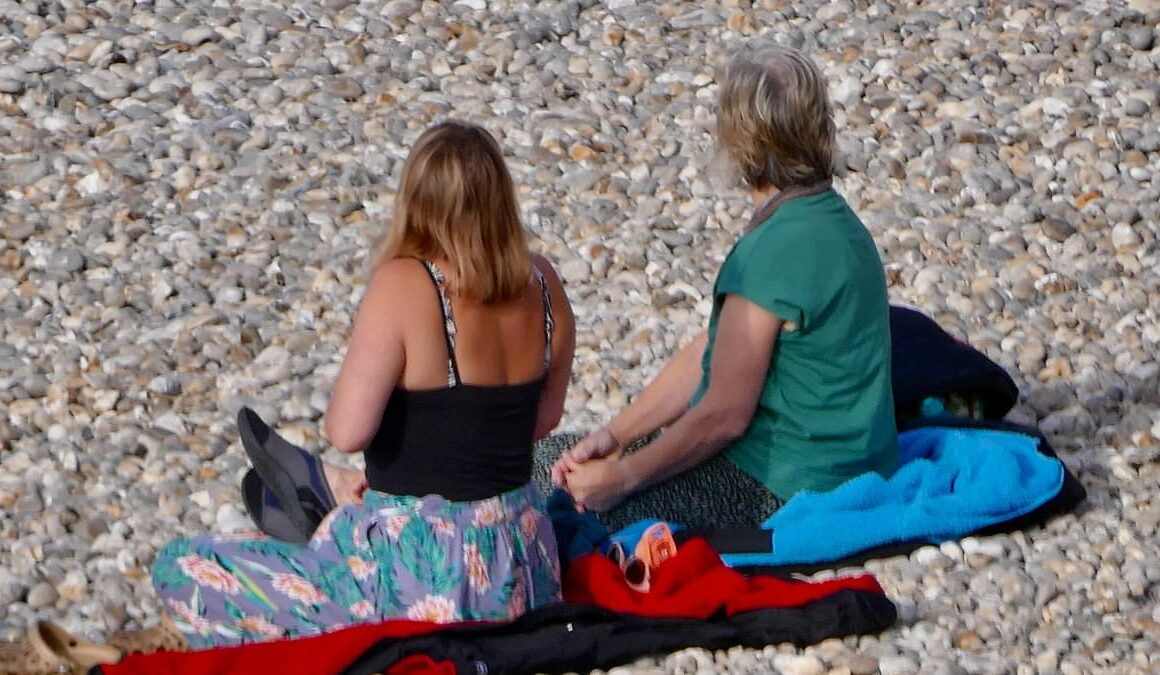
[422, 665]
[694, 584]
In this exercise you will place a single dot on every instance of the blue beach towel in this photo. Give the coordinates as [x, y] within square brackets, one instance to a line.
[951, 483]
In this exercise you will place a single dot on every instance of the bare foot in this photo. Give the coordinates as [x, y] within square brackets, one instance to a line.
[347, 484]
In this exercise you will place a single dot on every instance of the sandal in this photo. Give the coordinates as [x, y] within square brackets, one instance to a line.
[294, 476]
[266, 510]
[48, 648]
[164, 637]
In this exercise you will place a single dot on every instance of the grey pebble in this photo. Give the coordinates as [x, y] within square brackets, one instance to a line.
[69, 260]
[198, 35]
[169, 386]
[1142, 37]
[1149, 142]
[42, 595]
[1057, 229]
[1136, 107]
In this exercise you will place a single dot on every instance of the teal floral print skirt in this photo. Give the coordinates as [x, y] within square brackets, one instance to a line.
[391, 557]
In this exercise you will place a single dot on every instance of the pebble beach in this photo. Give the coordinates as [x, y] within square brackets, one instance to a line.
[190, 192]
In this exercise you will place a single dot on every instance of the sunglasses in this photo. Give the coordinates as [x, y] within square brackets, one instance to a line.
[656, 545]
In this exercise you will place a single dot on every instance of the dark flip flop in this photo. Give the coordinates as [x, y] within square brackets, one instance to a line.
[294, 476]
[266, 511]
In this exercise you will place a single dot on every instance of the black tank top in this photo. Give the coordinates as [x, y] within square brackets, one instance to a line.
[464, 442]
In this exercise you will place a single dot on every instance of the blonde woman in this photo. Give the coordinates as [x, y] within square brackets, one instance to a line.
[459, 359]
[790, 387]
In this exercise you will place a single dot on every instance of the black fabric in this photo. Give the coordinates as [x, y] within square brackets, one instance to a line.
[567, 637]
[1070, 495]
[463, 442]
[926, 361]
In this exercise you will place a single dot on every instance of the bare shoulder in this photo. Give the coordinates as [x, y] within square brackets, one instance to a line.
[561, 306]
[545, 267]
[396, 288]
[398, 278]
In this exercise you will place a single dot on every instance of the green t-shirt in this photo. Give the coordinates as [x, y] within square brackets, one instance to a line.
[826, 412]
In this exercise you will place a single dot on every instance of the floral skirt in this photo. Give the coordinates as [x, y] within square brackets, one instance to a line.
[391, 557]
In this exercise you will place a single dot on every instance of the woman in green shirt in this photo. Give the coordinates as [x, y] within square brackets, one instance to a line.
[789, 389]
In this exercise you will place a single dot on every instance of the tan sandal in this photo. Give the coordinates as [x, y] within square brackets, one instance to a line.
[164, 637]
[48, 648]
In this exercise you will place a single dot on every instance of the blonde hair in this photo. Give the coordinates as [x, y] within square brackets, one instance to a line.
[456, 201]
[775, 124]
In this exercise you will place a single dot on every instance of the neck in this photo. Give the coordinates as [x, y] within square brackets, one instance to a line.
[760, 196]
[767, 200]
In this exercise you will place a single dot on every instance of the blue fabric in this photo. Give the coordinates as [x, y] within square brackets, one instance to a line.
[951, 482]
[629, 536]
[933, 407]
[318, 482]
[577, 532]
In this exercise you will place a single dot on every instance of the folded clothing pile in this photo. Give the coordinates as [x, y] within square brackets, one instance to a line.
[694, 601]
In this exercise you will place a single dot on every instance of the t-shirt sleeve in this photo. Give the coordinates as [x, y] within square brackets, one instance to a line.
[774, 275]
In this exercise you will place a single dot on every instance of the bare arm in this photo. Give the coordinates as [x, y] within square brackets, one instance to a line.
[563, 350]
[745, 340]
[661, 402]
[665, 398]
[373, 363]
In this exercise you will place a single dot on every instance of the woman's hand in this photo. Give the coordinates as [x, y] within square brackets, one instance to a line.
[593, 446]
[600, 484]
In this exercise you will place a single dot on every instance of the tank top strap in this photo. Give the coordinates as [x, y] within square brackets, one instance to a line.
[549, 322]
[449, 331]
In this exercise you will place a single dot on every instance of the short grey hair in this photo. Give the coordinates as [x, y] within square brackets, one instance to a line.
[775, 123]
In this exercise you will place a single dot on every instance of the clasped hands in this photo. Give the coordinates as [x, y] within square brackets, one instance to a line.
[594, 472]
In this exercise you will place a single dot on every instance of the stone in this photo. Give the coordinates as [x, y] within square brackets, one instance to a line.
[576, 271]
[1124, 237]
[968, 640]
[1142, 37]
[793, 664]
[1057, 229]
[1136, 107]
[198, 35]
[42, 595]
[862, 665]
[12, 79]
[68, 260]
[897, 665]
[1149, 142]
[167, 386]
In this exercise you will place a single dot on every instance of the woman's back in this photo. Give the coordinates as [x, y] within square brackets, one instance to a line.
[456, 363]
[453, 368]
[462, 421]
[496, 344]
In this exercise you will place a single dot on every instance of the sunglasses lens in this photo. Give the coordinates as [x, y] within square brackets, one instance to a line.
[636, 572]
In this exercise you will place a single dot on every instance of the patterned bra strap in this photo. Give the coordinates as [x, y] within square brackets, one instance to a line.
[549, 322]
[440, 282]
